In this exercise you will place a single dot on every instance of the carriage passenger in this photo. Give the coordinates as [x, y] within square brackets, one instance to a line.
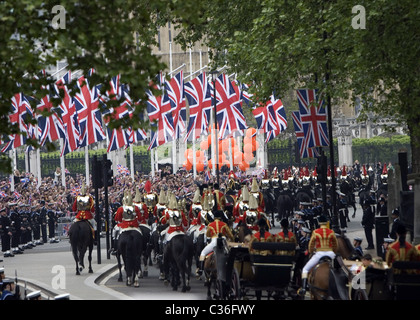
[286, 236]
[263, 235]
[323, 243]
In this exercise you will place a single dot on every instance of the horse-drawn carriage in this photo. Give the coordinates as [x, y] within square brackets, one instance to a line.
[242, 274]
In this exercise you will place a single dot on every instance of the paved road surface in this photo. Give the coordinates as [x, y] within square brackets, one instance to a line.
[51, 267]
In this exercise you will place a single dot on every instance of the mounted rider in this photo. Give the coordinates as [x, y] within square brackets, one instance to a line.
[197, 224]
[143, 216]
[324, 243]
[150, 198]
[213, 230]
[85, 208]
[252, 215]
[175, 219]
[127, 218]
[241, 206]
[255, 192]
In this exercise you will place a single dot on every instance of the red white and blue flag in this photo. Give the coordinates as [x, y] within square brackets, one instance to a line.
[271, 118]
[198, 93]
[20, 111]
[304, 150]
[229, 114]
[313, 118]
[51, 127]
[68, 115]
[88, 113]
[160, 114]
[175, 91]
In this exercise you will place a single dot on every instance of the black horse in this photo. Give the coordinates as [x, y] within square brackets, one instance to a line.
[270, 204]
[130, 247]
[146, 252]
[177, 259]
[81, 240]
[285, 205]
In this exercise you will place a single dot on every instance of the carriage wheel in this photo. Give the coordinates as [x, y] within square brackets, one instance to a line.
[359, 294]
[235, 287]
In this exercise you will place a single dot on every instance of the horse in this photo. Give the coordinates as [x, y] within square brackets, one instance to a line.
[270, 204]
[285, 205]
[210, 273]
[328, 279]
[177, 261]
[81, 239]
[146, 252]
[130, 247]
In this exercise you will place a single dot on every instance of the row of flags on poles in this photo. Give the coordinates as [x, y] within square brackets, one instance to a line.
[78, 119]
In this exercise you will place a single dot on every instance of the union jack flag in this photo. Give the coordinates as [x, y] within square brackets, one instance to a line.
[68, 115]
[313, 118]
[304, 150]
[88, 113]
[241, 90]
[229, 116]
[21, 110]
[271, 118]
[122, 170]
[175, 92]
[51, 126]
[198, 94]
[159, 112]
[3, 194]
[118, 137]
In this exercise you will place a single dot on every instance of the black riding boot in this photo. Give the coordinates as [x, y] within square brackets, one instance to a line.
[302, 290]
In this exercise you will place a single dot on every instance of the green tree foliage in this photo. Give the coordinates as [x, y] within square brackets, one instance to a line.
[113, 37]
[278, 45]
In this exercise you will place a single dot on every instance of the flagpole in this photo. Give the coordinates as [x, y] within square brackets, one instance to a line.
[87, 166]
[174, 138]
[38, 162]
[12, 176]
[193, 140]
[132, 161]
[62, 165]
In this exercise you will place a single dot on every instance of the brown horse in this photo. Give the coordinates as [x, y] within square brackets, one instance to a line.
[210, 273]
[319, 280]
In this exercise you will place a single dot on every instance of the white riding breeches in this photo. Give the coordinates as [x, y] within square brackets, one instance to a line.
[314, 260]
[208, 248]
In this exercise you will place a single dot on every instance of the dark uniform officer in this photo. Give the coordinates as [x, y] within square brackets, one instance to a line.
[52, 221]
[43, 220]
[15, 228]
[36, 224]
[5, 233]
[368, 221]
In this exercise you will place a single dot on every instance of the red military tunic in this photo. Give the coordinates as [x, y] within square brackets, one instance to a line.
[216, 227]
[143, 216]
[172, 228]
[397, 253]
[122, 223]
[86, 214]
[323, 239]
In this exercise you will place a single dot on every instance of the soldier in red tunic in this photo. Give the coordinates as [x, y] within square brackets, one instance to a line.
[176, 219]
[143, 215]
[85, 208]
[324, 243]
[252, 215]
[213, 230]
[400, 250]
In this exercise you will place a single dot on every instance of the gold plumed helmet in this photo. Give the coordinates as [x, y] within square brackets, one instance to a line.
[83, 190]
[137, 198]
[162, 197]
[254, 186]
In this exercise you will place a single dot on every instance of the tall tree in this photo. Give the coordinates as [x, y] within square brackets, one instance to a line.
[369, 51]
